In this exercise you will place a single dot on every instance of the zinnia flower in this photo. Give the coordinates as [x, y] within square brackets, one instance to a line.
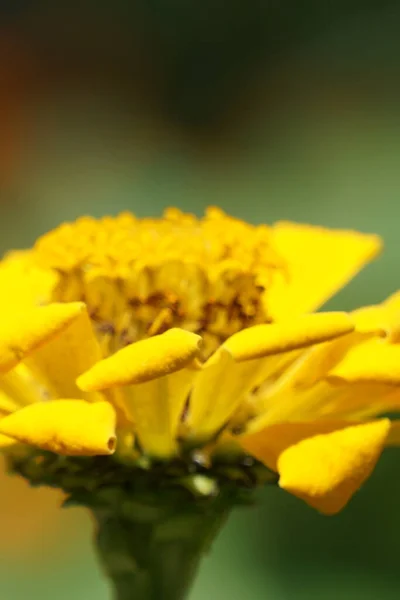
[155, 369]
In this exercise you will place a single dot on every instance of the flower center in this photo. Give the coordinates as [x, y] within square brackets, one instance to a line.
[139, 277]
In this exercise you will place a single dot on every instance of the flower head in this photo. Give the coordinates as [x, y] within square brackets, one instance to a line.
[187, 346]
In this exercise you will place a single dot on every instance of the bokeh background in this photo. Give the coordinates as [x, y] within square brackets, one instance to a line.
[271, 109]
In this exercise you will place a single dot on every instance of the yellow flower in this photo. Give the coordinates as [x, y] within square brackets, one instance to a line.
[179, 339]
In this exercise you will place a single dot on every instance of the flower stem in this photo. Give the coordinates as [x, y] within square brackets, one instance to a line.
[154, 553]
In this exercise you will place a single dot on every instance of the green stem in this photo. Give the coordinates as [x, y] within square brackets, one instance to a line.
[154, 554]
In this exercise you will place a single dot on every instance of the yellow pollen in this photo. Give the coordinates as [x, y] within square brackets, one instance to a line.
[140, 277]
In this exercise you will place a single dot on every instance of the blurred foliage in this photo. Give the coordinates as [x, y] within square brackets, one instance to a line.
[272, 110]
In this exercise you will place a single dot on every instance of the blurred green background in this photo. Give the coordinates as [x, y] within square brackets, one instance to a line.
[271, 110]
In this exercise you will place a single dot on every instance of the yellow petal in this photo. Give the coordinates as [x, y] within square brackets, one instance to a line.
[393, 302]
[372, 400]
[222, 385]
[372, 361]
[143, 361]
[382, 319]
[319, 262]
[326, 470]
[304, 393]
[22, 331]
[391, 308]
[58, 363]
[7, 442]
[156, 408]
[370, 319]
[316, 362]
[264, 340]
[301, 392]
[218, 391]
[393, 438]
[21, 385]
[267, 444]
[7, 404]
[25, 283]
[70, 427]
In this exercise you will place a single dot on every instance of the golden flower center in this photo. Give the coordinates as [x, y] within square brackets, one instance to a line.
[139, 277]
